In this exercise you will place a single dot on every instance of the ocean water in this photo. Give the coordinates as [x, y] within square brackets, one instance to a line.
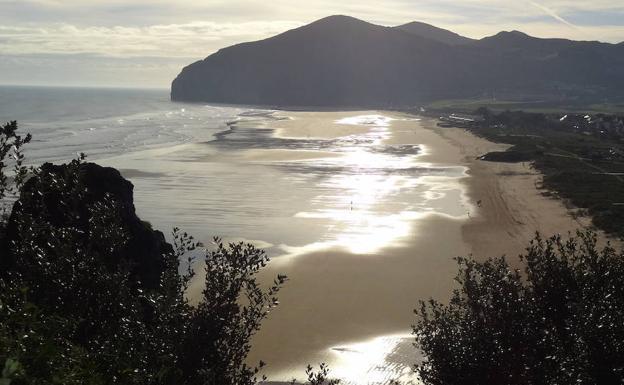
[105, 122]
[340, 213]
[196, 166]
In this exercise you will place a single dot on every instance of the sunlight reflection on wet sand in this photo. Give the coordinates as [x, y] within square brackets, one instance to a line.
[367, 204]
[376, 361]
[353, 206]
[374, 198]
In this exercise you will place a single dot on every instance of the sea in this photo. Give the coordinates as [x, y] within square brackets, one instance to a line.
[344, 213]
[131, 129]
[106, 122]
[190, 167]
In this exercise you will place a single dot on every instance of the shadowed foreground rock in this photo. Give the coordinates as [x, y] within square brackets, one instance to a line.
[45, 197]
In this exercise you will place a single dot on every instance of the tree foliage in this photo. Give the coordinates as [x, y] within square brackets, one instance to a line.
[12, 169]
[73, 312]
[559, 321]
[319, 376]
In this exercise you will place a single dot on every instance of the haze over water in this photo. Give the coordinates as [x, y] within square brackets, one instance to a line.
[350, 186]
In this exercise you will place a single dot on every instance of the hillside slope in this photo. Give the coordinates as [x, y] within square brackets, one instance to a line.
[340, 61]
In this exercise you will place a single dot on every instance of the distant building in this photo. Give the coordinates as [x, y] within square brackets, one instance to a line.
[459, 120]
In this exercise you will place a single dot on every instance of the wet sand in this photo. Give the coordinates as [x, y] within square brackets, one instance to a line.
[309, 124]
[363, 210]
[353, 309]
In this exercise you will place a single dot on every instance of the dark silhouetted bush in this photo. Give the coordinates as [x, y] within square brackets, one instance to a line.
[560, 321]
[91, 295]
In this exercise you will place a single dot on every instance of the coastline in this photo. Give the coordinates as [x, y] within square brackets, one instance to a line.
[349, 307]
[343, 308]
[513, 206]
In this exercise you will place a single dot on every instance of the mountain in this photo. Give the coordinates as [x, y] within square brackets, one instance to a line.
[340, 61]
[520, 42]
[560, 68]
[434, 33]
[335, 61]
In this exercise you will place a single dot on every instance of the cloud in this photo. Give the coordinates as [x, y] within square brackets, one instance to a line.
[118, 35]
[199, 38]
[91, 70]
[194, 39]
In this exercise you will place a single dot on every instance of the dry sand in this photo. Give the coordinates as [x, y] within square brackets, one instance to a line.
[513, 205]
[335, 299]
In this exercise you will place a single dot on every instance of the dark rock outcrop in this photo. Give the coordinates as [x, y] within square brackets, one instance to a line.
[145, 250]
[340, 61]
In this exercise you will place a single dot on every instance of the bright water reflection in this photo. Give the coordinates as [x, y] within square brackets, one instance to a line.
[373, 192]
[296, 194]
[376, 361]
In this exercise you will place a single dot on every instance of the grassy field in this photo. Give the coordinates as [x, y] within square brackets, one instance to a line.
[537, 106]
[584, 168]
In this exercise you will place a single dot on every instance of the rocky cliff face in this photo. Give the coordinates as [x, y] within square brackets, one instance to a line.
[340, 61]
[56, 199]
[337, 61]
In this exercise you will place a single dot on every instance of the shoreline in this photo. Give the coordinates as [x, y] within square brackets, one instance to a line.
[352, 308]
[341, 307]
[513, 206]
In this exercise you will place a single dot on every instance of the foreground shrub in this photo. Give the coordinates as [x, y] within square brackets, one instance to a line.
[89, 294]
[560, 321]
[12, 169]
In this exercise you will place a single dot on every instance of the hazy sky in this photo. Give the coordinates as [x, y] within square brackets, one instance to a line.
[145, 43]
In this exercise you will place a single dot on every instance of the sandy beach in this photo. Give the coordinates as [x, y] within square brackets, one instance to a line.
[364, 211]
[354, 310]
[513, 205]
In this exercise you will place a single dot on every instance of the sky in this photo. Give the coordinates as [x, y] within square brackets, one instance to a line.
[145, 43]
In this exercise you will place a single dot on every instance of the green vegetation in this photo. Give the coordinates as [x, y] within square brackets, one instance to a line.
[83, 302]
[537, 105]
[11, 149]
[560, 321]
[74, 310]
[580, 156]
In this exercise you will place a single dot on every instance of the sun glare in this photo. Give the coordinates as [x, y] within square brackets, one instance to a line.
[376, 361]
[368, 204]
